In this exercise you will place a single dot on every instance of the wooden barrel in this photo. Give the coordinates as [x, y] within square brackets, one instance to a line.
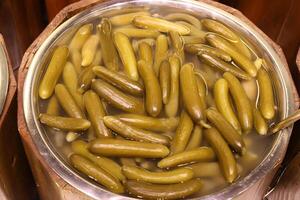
[50, 185]
[15, 175]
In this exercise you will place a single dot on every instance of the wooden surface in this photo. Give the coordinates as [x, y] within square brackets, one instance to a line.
[43, 174]
[15, 175]
[289, 185]
[20, 22]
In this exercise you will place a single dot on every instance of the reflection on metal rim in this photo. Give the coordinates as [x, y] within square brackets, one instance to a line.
[4, 77]
[52, 158]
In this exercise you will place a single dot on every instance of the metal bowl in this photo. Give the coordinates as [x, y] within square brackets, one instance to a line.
[279, 75]
[4, 77]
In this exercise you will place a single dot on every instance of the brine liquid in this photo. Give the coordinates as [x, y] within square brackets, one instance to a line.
[257, 146]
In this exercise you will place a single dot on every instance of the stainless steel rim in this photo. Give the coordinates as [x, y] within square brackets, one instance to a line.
[52, 159]
[4, 78]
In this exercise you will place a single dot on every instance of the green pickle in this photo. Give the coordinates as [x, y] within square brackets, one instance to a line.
[126, 148]
[182, 135]
[117, 98]
[109, 52]
[53, 72]
[65, 123]
[119, 80]
[165, 80]
[96, 112]
[150, 123]
[171, 108]
[224, 154]
[81, 148]
[87, 167]
[190, 95]
[153, 99]
[186, 157]
[167, 177]
[170, 191]
[133, 133]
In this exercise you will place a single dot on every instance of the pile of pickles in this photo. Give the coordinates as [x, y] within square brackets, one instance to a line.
[150, 104]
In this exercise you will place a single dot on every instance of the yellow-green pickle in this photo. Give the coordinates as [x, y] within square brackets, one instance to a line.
[158, 105]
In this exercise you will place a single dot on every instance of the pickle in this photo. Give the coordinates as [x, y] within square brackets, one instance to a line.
[126, 148]
[75, 57]
[226, 159]
[193, 40]
[186, 157]
[96, 113]
[195, 138]
[80, 37]
[182, 134]
[138, 33]
[90, 169]
[184, 17]
[109, 52]
[97, 58]
[65, 123]
[156, 191]
[85, 79]
[260, 123]
[152, 88]
[70, 79]
[241, 101]
[81, 148]
[201, 91]
[136, 43]
[165, 80]
[125, 19]
[232, 137]
[205, 169]
[150, 123]
[223, 30]
[217, 63]
[67, 102]
[53, 106]
[161, 25]
[127, 55]
[241, 60]
[189, 91]
[286, 122]
[145, 52]
[121, 81]
[266, 97]
[89, 49]
[53, 72]
[202, 48]
[194, 30]
[171, 107]
[133, 133]
[117, 98]
[161, 52]
[166, 177]
[178, 45]
[223, 103]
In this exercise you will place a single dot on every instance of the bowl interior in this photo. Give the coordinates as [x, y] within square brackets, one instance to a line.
[55, 153]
